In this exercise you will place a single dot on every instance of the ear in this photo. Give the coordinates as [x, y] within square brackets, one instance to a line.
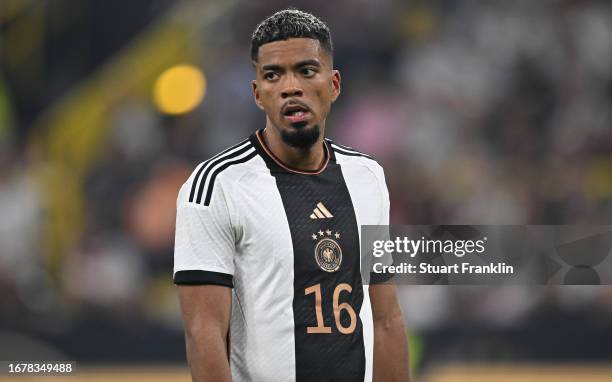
[335, 83]
[256, 94]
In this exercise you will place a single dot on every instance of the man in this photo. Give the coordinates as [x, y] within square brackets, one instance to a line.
[267, 235]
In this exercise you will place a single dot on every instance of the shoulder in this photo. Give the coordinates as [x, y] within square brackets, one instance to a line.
[218, 172]
[348, 156]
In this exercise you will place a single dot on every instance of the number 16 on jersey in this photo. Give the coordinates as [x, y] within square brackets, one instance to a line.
[337, 307]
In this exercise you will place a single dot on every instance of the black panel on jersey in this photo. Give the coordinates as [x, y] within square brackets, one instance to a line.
[331, 356]
[199, 277]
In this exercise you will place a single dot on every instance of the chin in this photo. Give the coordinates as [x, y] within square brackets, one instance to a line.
[300, 125]
[301, 135]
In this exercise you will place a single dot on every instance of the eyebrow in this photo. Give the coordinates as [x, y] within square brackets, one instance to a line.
[311, 62]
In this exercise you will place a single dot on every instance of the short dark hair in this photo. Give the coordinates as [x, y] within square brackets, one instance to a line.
[290, 23]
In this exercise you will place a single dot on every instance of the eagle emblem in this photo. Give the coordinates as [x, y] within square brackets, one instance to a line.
[328, 253]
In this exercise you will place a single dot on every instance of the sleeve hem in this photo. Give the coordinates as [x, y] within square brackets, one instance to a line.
[199, 277]
[380, 278]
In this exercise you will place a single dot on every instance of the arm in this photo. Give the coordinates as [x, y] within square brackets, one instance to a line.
[390, 344]
[206, 313]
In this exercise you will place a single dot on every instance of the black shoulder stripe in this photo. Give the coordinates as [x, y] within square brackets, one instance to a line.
[211, 183]
[197, 176]
[350, 153]
[347, 150]
[215, 162]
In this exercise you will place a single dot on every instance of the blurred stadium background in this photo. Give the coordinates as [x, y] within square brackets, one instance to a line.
[490, 112]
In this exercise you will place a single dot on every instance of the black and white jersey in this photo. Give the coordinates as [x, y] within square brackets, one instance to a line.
[287, 241]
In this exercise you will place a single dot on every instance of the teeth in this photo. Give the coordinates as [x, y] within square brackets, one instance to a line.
[296, 112]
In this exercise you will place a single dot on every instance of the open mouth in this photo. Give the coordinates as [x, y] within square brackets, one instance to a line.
[296, 113]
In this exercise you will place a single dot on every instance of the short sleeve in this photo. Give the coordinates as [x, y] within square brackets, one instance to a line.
[204, 244]
[386, 205]
[380, 278]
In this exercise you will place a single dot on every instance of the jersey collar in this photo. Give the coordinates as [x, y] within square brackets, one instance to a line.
[274, 162]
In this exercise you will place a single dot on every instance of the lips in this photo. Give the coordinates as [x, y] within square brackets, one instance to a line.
[295, 112]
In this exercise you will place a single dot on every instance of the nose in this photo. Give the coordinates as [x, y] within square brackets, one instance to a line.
[291, 88]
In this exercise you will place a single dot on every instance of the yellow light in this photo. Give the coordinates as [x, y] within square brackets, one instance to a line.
[179, 89]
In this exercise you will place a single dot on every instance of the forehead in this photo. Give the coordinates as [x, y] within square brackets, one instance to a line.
[286, 52]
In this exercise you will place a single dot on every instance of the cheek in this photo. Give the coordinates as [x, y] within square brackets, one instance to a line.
[265, 97]
[324, 95]
[271, 109]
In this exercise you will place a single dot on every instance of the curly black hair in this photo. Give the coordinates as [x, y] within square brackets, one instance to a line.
[290, 23]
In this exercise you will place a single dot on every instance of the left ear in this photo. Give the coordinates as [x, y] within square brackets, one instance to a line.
[256, 97]
[335, 83]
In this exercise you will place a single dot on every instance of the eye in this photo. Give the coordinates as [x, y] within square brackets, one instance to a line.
[270, 76]
[308, 72]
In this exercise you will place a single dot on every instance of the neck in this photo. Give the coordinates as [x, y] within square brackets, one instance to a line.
[308, 159]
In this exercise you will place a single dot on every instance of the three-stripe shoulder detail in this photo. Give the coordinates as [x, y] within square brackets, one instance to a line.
[345, 150]
[207, 172]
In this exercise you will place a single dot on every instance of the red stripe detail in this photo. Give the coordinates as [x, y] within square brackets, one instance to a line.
[284, 166]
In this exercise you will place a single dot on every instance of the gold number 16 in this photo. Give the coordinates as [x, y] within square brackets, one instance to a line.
[321, 328]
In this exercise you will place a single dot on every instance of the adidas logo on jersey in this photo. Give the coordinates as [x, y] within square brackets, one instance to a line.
[321, 212]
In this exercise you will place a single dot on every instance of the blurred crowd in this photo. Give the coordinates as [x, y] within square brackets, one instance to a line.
[480, 112]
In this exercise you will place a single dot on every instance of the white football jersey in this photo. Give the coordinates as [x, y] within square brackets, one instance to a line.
[287, 242]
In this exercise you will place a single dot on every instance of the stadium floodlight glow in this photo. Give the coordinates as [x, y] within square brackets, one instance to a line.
[179, 89]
